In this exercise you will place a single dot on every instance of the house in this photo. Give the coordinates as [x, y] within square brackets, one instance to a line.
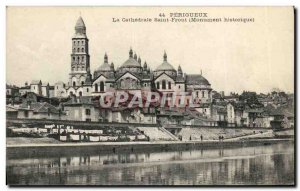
[11, 112]
[39, 110]
[36, 87]
[11, 90]
[24, 89]
[81, 109]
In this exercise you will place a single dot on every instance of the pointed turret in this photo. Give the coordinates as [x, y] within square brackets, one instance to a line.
[130, 53]
[139, 60]
[179, 71]
[165, 57]
[105, 58]
[112, 66]
[145, 65]
[135, 56]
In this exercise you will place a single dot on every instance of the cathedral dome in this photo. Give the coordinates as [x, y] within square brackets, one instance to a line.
[105, 66]
[165, 66]
[131, 62]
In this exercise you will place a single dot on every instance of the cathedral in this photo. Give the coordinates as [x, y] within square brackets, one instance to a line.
[132, 75]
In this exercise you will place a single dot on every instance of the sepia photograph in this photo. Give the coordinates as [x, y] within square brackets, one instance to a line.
[150, 96]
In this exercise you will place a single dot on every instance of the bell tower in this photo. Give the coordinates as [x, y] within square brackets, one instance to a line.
[80, 58]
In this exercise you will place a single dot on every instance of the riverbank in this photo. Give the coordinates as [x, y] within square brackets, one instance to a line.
[54, 148]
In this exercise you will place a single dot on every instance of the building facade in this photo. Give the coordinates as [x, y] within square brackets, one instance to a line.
[132, 75]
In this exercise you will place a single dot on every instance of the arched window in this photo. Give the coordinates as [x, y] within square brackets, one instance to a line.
[80, 93]
[82, 59]
[74, 84]
[78, 49]
[157, 85]
[169, 84]
[74, 43]
[163, 85]
[74, 49]
[203, 94]
[96, 87]
[74, 59]
[82, 42]
[82, 50]
[101, 86]
[71, 93]
[82, 82]
[87, 89]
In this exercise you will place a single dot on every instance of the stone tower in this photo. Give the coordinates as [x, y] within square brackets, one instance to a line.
[80, 59]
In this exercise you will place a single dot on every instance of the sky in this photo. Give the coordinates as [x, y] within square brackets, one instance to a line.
[234, 57]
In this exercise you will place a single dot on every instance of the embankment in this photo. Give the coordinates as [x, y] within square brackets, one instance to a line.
[51, 149]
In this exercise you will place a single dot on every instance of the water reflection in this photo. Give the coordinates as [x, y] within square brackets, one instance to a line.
[271, 164]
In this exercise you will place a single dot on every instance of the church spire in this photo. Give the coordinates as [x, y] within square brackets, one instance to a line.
[80, 26]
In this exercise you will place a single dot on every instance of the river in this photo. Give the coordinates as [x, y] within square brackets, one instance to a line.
[259, 165]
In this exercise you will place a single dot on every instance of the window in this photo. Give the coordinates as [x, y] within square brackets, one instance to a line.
[26, 113]
[87, 111]
[78, 49]
[82, 59]
[74, 84]
[197, 93]
[169, 84]
[82, 42]
[101, 86]
[80, 93]
[157, 85]
[163, 85]
[87, 89]
[96, 87]
[88, 119]
[82, 83]
[179, 87]
[203, 94]
[82, 50]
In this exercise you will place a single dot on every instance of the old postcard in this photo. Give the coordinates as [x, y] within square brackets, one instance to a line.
[143, 96]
